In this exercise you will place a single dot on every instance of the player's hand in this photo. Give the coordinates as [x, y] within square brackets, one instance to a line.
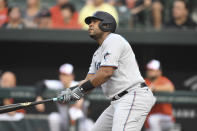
[76, 94]
[64, 96]
[70, 95]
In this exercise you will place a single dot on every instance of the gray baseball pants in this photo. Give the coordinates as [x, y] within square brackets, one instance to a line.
[127, 113]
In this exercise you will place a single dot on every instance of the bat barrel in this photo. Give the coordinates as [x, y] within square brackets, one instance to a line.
[14, 107]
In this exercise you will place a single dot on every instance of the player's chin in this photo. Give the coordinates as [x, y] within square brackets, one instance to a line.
[91, 34]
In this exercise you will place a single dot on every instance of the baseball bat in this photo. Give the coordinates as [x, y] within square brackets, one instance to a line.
[14, 107]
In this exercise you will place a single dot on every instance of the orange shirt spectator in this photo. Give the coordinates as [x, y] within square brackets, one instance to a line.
[11, 101]
[70, 17]
[8, 80]
[161, 115]
[163, 108]
[58, 20]
[3, 12]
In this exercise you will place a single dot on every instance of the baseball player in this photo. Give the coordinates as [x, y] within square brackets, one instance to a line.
[115, 69]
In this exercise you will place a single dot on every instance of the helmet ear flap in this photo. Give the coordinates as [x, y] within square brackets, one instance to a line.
[102, 27]
[105, 26]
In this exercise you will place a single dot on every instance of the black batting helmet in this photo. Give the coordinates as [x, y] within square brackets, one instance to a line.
[108, 23]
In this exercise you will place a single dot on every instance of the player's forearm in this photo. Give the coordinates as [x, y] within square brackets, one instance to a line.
[88, 77]
[101, 77]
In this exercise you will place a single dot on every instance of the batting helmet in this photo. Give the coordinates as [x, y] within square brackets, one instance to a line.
[108, 23]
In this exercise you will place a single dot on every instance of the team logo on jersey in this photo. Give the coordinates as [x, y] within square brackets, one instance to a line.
[97, 65]
[106, 55]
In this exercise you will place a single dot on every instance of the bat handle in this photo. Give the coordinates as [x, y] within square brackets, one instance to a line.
[58, 99]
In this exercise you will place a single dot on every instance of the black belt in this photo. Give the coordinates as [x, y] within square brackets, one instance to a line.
[116, 97]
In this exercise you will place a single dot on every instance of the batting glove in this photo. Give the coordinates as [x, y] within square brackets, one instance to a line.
[64, 96]
[76, 94]
[70, 95]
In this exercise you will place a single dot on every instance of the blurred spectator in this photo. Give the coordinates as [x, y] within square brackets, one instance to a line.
[180, 16]
[140, 11]
[123, 13]
[8, 80]
[3, 12]
[56, 14]
[15, 20]
[157, 8]
[30, 14]
[68, 11]
[96, 5]
[44, 20]
[113, 2]
[66, 113]
[160, 117]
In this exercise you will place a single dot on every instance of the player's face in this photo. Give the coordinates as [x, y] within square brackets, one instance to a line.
[94, 30]
[66, 79]
[153, 74]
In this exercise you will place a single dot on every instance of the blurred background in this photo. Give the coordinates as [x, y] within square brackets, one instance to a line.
[44, 48]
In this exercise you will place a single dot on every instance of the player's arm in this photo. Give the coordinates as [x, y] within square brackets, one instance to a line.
[95, 80]
[88, 77]
[102, 75]
[165, 88]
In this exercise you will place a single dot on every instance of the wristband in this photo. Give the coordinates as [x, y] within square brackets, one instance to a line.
[73, 87]
[87, 86]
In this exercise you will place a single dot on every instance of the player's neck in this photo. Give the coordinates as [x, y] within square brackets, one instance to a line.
[102, 38]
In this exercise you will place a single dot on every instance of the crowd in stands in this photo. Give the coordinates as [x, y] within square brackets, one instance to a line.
[66, 116]
[158, 14]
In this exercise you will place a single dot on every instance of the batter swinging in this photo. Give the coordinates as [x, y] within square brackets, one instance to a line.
[115, 69]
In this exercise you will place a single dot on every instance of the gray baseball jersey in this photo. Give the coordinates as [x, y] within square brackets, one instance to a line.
[116, 51]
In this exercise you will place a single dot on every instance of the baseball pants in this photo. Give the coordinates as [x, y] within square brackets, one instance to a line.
[127, 113]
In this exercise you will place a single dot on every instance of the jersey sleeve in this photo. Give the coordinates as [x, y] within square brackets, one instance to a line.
[111, 53]
[92, 68]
